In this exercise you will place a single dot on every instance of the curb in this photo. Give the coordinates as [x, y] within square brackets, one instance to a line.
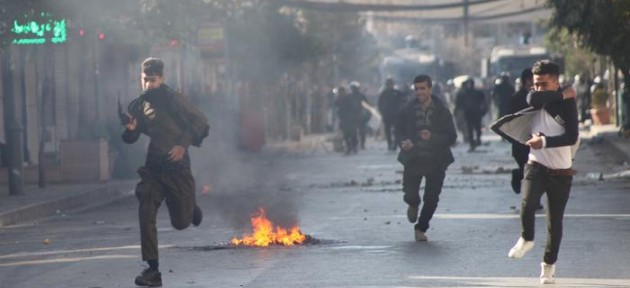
[92, 198]
[617, 146]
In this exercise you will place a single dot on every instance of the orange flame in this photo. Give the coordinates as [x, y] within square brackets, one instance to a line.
[265, 235]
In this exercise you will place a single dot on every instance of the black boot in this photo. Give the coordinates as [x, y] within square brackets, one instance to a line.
[150, 278]
[197, 216]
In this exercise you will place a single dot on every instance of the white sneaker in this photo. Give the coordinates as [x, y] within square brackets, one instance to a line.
[520, 248]
[547, 273]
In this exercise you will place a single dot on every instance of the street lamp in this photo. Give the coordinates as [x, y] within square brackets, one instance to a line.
[13, 128]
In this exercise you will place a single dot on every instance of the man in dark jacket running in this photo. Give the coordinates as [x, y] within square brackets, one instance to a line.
[427, 132]
[166, 176]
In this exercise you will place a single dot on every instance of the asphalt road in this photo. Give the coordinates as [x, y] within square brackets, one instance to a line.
[353, 206]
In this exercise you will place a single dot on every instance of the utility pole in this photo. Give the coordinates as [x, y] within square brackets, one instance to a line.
[97, 72]
[465, 23]
[24, 103]
[12, 128]
[43, 106]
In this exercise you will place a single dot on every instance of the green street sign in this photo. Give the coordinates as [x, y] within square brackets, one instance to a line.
[37, 32]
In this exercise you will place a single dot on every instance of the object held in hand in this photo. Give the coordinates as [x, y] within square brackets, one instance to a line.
[124, 117]
[406, 144]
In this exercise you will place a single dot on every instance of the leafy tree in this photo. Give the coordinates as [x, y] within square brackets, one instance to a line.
[265, 44]
[600, 25]
[577, 59]
[164, 19]
[167, 19]
[342, 36]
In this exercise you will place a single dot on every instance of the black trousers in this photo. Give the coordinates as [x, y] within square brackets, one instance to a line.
[412, 178]
[388, 125]
[177, 189]
[350, 136]
[473, 121]
[537, 182]
[362, 134]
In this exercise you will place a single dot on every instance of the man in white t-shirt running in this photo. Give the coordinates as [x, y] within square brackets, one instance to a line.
[552, 125]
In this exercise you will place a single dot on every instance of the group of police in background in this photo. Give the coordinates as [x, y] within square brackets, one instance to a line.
[352, 111]
[467, 100]
[352, 116]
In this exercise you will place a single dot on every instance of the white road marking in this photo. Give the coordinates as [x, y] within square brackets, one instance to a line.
[480, 216]
[65, 260]
[526, 282]
[57, 252]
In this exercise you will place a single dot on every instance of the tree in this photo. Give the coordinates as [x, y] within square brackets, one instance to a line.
[265, 44]
[577, 59]
[343, 43]
[603, 26]
[166, 19]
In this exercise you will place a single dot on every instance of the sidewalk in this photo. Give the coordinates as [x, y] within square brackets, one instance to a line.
[609, 135]
[36, 203]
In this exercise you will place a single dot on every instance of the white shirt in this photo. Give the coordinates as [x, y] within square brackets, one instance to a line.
[556, 157]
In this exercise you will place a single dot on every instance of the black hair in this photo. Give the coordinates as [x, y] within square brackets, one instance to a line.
[526, 74]
[546, 67]
[153, 67]
[423, 78]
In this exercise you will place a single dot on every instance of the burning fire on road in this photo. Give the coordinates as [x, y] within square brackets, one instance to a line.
[265, 234]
